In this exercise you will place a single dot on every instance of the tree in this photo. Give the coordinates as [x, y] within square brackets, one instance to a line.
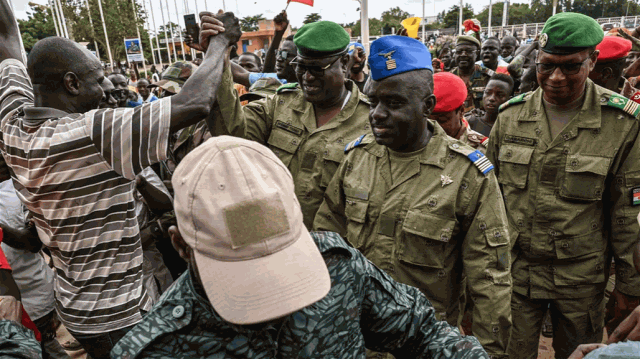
[393, 17]
[518, 14]
[251, 23]
[39, 24]
[313, 17]
[375, 28]
[450, 19]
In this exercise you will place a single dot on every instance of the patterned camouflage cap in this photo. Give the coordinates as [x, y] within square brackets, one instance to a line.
[175, 76]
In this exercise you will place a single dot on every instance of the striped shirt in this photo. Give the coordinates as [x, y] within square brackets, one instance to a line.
[75, 173]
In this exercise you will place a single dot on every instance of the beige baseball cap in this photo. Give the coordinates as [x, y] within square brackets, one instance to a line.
[236, 208]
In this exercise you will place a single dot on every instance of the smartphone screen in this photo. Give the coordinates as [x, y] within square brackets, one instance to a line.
[192, 27]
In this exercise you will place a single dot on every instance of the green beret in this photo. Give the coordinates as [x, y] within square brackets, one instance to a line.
[321, 39]
[569, 32]
[468, 39]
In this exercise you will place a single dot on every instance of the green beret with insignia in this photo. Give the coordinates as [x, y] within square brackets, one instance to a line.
[568, 33]
[468, 39]
[321, 39]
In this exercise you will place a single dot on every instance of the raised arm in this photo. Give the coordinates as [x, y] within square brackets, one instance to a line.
[199, 92]
[281, 23]
[9, 34]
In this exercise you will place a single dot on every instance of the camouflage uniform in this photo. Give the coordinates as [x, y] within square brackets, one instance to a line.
[475, 86]
[472, 138]
[17, 341]
[364, 307]
[286, 123]
[572, 203]
[439, 215]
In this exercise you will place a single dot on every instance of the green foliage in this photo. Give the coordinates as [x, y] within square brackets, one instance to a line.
[313, 17]
[250, 23]
[39, 24]
[393, 17]
[451, 17]
[375, 28]
[518, 14]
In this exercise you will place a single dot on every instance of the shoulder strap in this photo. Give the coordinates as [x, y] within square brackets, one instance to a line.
[624, 104]
[516, 100]
[360, 141]
[478, 158]
[288, 87]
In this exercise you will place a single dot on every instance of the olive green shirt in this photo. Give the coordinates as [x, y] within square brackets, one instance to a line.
[425, 226]
[286, 123]
[570, 199]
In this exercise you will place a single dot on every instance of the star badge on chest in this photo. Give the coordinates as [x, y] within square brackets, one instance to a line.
[445, 179]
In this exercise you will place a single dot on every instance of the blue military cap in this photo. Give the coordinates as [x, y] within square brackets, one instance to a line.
[353, 46]
[392, 55]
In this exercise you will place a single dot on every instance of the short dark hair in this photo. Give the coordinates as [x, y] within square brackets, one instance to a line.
[617, 66]
[52, 57]
[494, 39]
[258, 59]
[504, 78]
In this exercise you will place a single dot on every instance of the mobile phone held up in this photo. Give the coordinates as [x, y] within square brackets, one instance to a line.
[192, 27]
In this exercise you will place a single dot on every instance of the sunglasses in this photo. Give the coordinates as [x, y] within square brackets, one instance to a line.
[283, 55]
[316, 71]
[567, 69]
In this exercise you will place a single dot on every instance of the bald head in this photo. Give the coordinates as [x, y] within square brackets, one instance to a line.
[51, 58]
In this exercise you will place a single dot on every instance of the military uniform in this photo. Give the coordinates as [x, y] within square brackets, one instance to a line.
[472, 138]
[569, 200]
[475, 86]
[286, 123]
[364, 307]
[440, 213]
[475, 118]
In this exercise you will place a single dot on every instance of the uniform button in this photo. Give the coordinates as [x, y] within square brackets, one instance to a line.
[349, 167]
[326, 153]
[455, 145]
[294, 142]
[535, 113]
[329, 216]
[538, 131]
[620, 221]
[598, 193]
[281, 102]
[441, 274]
[565, 245]
[497, 234]
[520, 223]
[603, 99]
[619, 180]
[340, 141]
[565, 151]
[552, 232]
[178, 312]
[483, 226]
[594, 226]
[620, 117]
[574, 163]
[509, 154]
[432, 202]
[444, 237]
[464, 185]
[566, 136]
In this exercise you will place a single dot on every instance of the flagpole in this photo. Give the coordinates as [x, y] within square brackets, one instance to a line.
[146, 20]
[54, 10]
[224, 6]
[155, 32]
[106, 36]
[22, 50]
[423, 32]
[135, 16]
[53, 16]
[166, 34]
[93, 31]
[193, 52]
[364, 24]
[179, 32]
[62, 19]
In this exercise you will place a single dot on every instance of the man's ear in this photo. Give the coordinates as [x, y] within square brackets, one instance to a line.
[71, 83]
[344, 61]
[607, 73]
[429, 105]
[179, 244]
[594, 59]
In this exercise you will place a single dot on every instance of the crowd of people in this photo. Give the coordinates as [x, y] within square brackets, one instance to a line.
[325, 200]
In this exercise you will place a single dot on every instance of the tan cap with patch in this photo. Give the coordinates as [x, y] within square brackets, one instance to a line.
[236, 207]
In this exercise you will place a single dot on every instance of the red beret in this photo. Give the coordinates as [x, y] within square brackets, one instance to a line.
[450, 92]
[613, 48]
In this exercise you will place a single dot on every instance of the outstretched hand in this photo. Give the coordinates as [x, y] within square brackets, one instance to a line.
[629, 329]
[584, 349]
[225, 24]
[281, 22]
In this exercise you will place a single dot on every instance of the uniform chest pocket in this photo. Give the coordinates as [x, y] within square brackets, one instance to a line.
[284, 144]
[514, 165]
[331, 157]
[584, 177]
[355, 209]
[424, 238]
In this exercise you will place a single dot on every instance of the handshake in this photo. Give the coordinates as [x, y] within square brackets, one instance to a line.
[216, 25]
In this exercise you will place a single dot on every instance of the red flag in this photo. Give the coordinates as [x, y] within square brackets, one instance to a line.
[306, 2]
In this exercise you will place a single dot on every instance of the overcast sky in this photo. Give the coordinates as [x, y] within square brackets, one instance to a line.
[341, 11]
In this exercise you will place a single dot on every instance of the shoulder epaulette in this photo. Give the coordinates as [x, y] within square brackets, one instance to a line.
[624, 104]
[518, 99]
[488, 71]
[288, 87]
[478, 158]
[362, 140]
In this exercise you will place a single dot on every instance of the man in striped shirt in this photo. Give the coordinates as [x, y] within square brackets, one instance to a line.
[74, 169]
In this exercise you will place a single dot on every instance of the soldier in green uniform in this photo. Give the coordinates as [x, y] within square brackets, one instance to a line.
[419, 204]
[474, 76]
[568, 162]
[307, 124]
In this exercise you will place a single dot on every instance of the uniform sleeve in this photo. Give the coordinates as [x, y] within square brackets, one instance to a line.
[253, 121]
[331, 214]
[130, 139]
[15, 87]
[492, 146]
[399, 319]
[625, 206]
[487, 261]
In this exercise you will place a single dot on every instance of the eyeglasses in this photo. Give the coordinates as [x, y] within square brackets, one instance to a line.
[567, 69]
[316, 71]
[283, 55]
